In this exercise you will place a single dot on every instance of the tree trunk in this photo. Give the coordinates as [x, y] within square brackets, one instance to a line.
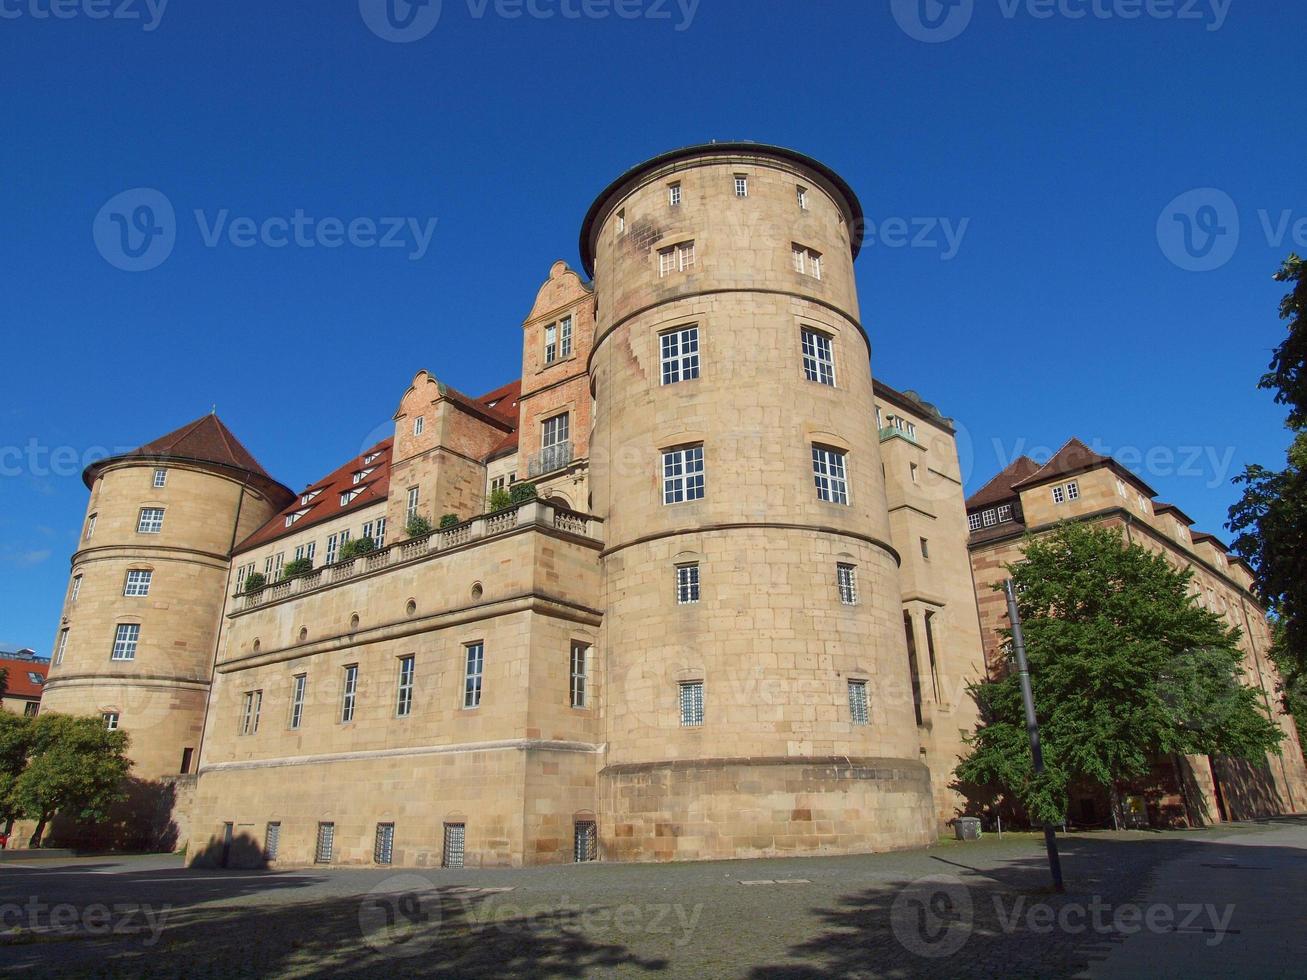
[1115, 797]
[39, 832]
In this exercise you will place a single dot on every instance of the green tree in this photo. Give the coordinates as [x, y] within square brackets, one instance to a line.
[500, 499]
[1125, 668]
[75, 767]
[417, 526]
[15, 743]
[1270, 520]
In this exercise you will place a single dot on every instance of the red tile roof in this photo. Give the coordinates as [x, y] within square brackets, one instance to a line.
[1000, 488]
[18, 684]
[1075, 457]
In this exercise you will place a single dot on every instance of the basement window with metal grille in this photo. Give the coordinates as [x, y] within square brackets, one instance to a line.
[326, 843]
[272, 840]
[383, 850]
[691, 704]
[586, 842]
[455, 835]
[687, 584]
[847, 582]
[858, 703]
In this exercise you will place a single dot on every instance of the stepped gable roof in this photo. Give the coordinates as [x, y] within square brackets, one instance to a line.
[206, 440]
[1075, 457]
[324, 496]
[1002, 486]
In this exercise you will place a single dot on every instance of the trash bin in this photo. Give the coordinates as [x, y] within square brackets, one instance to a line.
[967, 828]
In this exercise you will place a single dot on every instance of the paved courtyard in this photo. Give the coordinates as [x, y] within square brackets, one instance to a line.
[1224, 902]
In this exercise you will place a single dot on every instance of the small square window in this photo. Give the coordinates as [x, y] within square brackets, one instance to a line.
[110, 720]
[1059, 495]
[138, 582]
[691, 704]
[687, 584]
[160, 478]
[1073, 491]
[1004, 513]
[990, 517]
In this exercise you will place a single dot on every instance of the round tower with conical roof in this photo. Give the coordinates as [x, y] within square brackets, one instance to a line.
[141, 617]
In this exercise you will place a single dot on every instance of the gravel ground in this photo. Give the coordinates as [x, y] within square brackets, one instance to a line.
[980, 909]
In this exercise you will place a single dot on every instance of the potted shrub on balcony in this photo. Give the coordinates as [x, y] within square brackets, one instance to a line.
[254, 582]
[357, 547]
[522, 492]
[449, 520]
[417, 526]
[296, 568]
[500, 499]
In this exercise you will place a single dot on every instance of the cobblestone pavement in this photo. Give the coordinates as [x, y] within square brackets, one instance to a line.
[979, 909]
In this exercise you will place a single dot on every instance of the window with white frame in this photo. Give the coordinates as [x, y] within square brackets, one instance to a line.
[138, 582]
[1004, 513]
[554, 431]
[414, 497]
[77, 588]
[565, 337]
[621, 222]
[990, 517]
[818, 357]
[362, 475]
[580, 673]
[687, 584]
[846, 582]
[1143, 504]
[251, 706]
[292, 518]
[90, 526]
[303, 551]
[674, 194]
[110, 719]
[419, 424]
[1120, 488]
[376, 530]
[801, 193]
[404, 695]
[371, 458]
[125, 638]
[474, 669]
[830, 474]
[679, 354]
[278, 562]
[806, 260]
[150, 521]
[349, 697]
[907, 427]
[974, 521]
[691, 704]
[1059, 495]
[858, 712]
[1073, 491]
[299, 688]
[676, 258]
[61, 648]
[741, 185]
[551, 343]
[683, 474]
[333, 546]
[348, 496]
[160, 479]
[309, 497]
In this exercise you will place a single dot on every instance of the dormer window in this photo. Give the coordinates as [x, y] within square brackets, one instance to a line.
[292, 518]
[348, 496]
[362, 475]
[373, 457]
[309, 496]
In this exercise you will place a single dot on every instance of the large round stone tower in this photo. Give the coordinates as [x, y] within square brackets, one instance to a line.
[140, 623]
[758, 694]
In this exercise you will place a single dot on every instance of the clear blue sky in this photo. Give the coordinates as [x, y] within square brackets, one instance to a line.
[1059, 141]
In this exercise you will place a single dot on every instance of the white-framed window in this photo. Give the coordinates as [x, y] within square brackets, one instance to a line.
[76, 590]
[565, 337]
[299, 687]
[278, 562]
[1059, 495]
[376, 530]
[555, 431]
[333, 548]
[1004, 513]
[138, 582]
[306, 498]
[621, 222]
[110, 719]
[674, 194]
[61, 648]
[1143, 504]
[349, 699]
[90, 526]
[473, 672]
[160, 479]
[125, 638]
[308, 551]
[846, 582]
[404, 695]
[414, 498]
[691, 704]
[362, 475]
[830, 474]
[683, 474]
[348, 496]
[383, 848]
[806, 260]
[990, 517]
[974, 521]
[801, 193]
[551, 343]
[741, 185]
[679, 354]
[251, 706]
[419, 424]
[906, 426]
[150, 521]
[676, 258]
[1120, 488]
[1073, 491]
[818, 357]
[858, 712]
[370, 458]
[687, 584]
[580, 673]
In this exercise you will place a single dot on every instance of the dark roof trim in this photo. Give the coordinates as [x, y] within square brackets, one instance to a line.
[730, 148]
[927, 412]
[270, 487]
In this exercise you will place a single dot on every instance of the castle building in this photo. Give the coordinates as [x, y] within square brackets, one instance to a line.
[736, 618]
[1078, 484]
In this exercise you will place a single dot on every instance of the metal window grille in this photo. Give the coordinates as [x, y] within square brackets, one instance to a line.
[455, 836]
[691, 704]
[829, 472]
[858, 703]
[326, 843]
[818, 358]
[683, 475]
[476, 661]
[125, 638]
[138, 582]
[585, 845]
[580, 673]
[297, 700]
[846, 579]
[680, 355]
[687, 584]
[272, 841]
[404, 701]
[383, 849]
[151, 520]
[351, 693]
